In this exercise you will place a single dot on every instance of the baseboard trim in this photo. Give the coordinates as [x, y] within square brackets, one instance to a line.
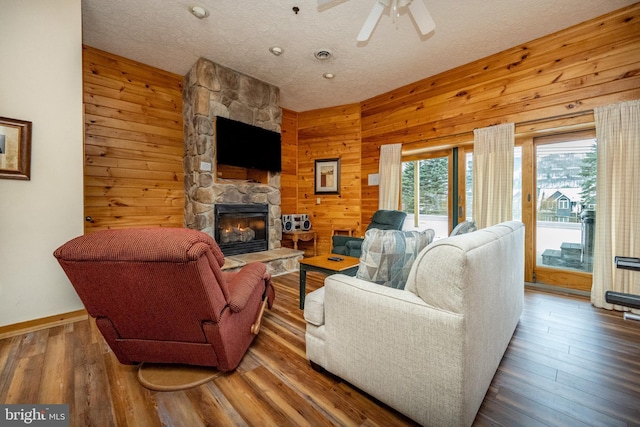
[43, 323]
[558, 289]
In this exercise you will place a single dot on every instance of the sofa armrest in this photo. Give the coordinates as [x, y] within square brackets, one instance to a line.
[243, 283]
[354, 245]
[354, 248]
[314, 307]
[342, 245]
[340, 240]
[367, 324]
[369, 306]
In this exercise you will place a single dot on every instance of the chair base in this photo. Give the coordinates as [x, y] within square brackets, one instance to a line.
[166, 377]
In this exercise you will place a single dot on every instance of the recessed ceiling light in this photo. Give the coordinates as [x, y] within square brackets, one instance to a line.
[328, 76]
[277, 51]
[199, 12]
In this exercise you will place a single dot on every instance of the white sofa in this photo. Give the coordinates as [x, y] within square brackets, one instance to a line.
[430, 350]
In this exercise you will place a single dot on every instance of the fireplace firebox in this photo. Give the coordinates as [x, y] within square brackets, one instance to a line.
[242, 228]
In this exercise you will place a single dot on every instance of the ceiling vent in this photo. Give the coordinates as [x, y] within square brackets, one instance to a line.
[323, 54]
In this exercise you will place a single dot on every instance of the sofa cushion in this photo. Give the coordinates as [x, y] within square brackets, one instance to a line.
[387, 255]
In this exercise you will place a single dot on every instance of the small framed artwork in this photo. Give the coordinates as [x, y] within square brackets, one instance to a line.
[327, 176]
[15, 149]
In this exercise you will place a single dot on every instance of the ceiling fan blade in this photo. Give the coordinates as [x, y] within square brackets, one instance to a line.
[371, 22]
[421, 16]
[323, 2]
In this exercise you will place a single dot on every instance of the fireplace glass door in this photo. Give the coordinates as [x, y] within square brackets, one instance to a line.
[241, 228]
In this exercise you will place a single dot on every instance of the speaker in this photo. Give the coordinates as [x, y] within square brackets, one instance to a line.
[305, 223]
[287, 223]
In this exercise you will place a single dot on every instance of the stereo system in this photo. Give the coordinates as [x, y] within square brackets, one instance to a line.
[296, 222]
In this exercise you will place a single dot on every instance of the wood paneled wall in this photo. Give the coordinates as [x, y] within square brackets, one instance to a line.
[289, 175]
[326, 134]
[133, 144]
[567, 73]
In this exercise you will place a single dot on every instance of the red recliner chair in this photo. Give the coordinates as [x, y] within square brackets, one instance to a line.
[159, 295]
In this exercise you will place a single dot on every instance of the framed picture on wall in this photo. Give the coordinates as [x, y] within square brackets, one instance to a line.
[327, 176]
[15, 149]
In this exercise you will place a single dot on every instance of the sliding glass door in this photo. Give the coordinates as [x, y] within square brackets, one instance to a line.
[554, 186]
[565, 210]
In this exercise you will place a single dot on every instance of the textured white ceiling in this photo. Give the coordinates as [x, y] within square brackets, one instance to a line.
[238, 35]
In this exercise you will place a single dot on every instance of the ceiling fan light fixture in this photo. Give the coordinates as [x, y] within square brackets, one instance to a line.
[199, 12]
[417, 8]
[328, 76]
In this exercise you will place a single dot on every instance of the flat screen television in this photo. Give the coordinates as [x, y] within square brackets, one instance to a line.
[247, 146]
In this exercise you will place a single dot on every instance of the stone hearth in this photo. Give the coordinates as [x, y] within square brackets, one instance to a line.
[279, 261]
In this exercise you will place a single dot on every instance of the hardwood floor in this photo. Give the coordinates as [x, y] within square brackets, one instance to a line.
[568, 364]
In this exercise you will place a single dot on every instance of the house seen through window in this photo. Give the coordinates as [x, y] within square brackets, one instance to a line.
[565, 205]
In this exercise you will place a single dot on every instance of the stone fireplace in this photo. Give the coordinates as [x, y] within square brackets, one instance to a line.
[212, 90]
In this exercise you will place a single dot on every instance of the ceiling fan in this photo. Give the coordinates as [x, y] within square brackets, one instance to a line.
[418, 10]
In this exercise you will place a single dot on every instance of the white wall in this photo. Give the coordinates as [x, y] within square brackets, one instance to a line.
[41, 82]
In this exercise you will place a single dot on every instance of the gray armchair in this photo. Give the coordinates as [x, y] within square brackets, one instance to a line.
[463, 228]
[382, 219]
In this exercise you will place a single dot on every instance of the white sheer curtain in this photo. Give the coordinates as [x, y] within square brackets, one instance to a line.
[493, 174]
[617, 200]
[390, 176]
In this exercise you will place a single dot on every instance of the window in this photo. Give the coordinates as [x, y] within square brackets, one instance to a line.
[563, 204]
[425, 194]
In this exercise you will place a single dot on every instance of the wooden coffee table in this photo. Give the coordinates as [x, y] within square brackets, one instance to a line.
[322, 264]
